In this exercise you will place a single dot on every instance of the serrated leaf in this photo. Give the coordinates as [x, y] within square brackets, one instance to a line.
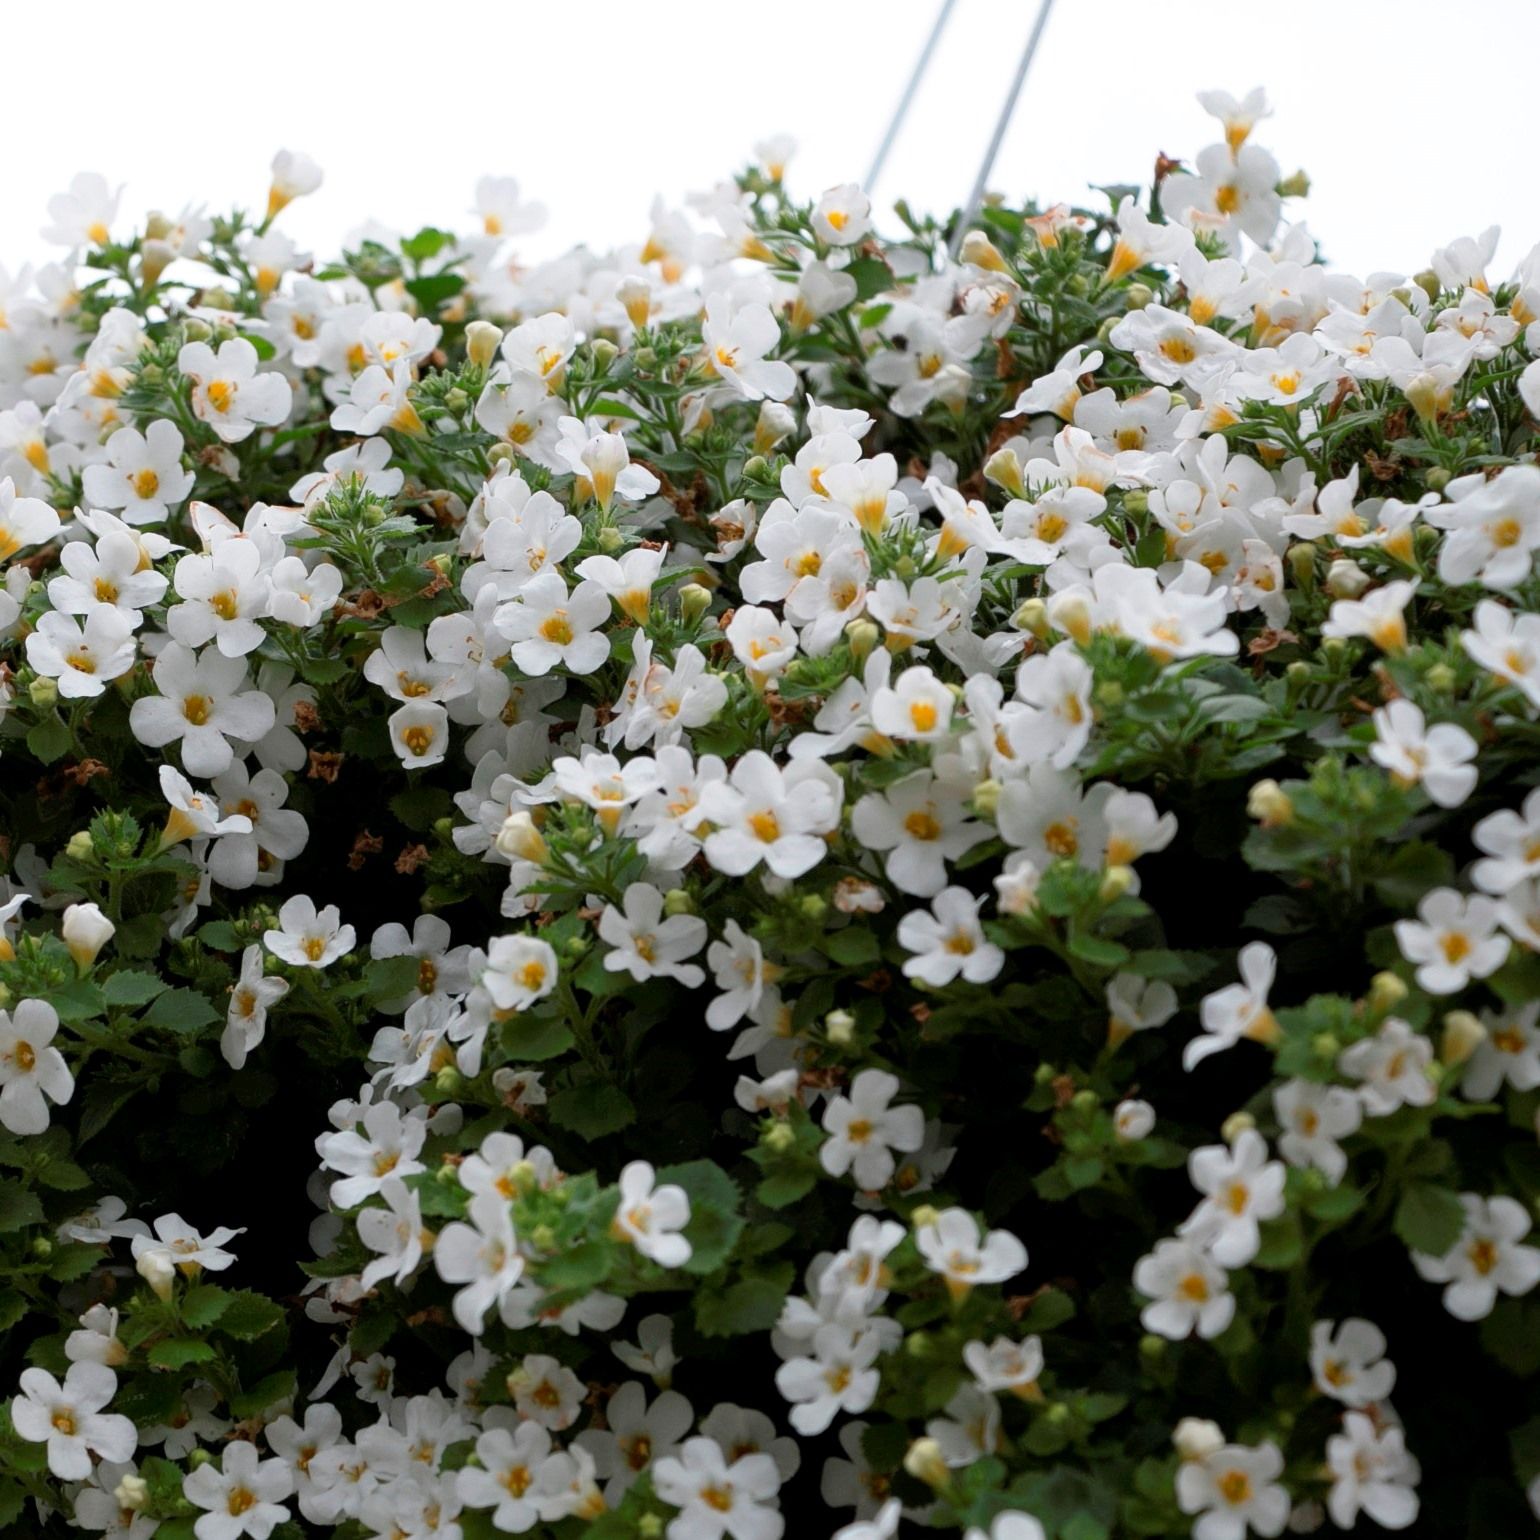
[203, 1305]
[752, 1304]
[1429, 1218]
[592, 1109]
[179, 1352]
[248, 1316]
[181, 1010]
[129, 986]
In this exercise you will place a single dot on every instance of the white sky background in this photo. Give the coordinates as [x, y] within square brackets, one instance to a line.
[1413, 119]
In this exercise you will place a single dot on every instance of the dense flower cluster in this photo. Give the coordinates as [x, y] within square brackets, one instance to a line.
[769, 883]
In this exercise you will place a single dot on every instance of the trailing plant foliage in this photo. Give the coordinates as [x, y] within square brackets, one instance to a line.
[770, 882]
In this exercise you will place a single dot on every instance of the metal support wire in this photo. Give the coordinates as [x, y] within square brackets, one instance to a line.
[976, 197]
[905, 101]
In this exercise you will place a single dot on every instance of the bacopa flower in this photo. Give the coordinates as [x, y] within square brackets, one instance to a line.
[242, 1496]
[1486, 1260]
[948, 941]
[1234, 1488]
[953, 1245]
[32, 1071]
[650, 1216]
[228, 392]
[202, 705]
[69, 1418]
[308, 937]
[864, 1130]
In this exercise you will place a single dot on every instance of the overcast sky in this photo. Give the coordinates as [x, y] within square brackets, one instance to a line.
[1410, 119]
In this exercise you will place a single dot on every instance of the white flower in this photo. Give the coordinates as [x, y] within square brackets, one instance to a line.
[24, 521]
[483, 1255]
[301, 595]
[1392, 1067]
[1438, 757]
[741, 972]
[1233, 1488]
[228, 393]
[83, 656]
[646, 945]
[85, 931]
[1011, 1525]
[1136, 1004]
[842, 216]
[243, 1495]
[246, 1018]
[142, 477]
[716, 1496]
[520, 970]
[1004, 1364]
[1187, 1289]
[651, 1217]
[1238, 1010]
[547, 1392]
[1379, 615]
[112, 572]
[1240, 1187]
[1506, 645]
[1453, 940]
[1511, 842]
[763, 813]
[507, 1477]
[953, 1245]
[550, 627]
[31, 1068]
[309, 937]
[386, 1149]
[1349, 1362]
[922, 823]
[201, 705]
[70, 1420]
[1132, 1120]
[948, 941]
[1486, 1259]
[1372, 1473]
[1509, 1054]
[602, 464]
[864, 1130]
[736, 340]
[636, 1435]
[396, 1232]
[177, 1241]
[294, 176]
[1312, 1118]
[918, 707]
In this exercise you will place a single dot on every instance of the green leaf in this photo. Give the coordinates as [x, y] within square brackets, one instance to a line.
[49, 740]
[248, 1316]
[871, 277]
[431, 292]
[752, 1304]
[181, 1010]
[19, 1207]
[203, 1305]
[784, 1187]
[1429, 1219]
[715, 1223]
[426, 244]
[579, 1268]
[179, 1352]
[268, 1391]
[128, 986]
[854, 947]
[592, 1110]
[531, 1039]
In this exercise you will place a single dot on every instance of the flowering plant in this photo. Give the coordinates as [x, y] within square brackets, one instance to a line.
[773, 882]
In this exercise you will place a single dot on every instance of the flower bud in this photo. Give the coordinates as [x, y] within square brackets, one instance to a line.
[863, 636]
[694, 601]
[156, 1268]
[1463, 1035]
[1269, 804]
[610, 539]
[194, 330]
[81, 846]
[1138, 295]
[1296, 186]
[677, 901]
[841, 1028]
[1133, 1119]
[986, 798]
[1301, 560]
[1386, 991]
[1136, 503]
[449, 1081]
[756, 467]
[132, 1493]
[778, 1138]
[86, 931]
[482, 340]
[520, 840]
[924, 1215]
[1116, 881]
[1436, 478]
[1003, 468]
[43, 691]
[1346, 579]
[604, 353]
[154, 258]
[776, 420]
[1235, 1125]
[649, 1526]
[200, 1456]
[925, 1462]
[1196, 1438]
[1428, 281]
[1032, 616]
[1442, 678]
[635, 296]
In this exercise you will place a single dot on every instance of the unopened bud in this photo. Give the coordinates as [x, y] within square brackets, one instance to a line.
[756, 467]
[924, 1215]
[482, 340]
[81, 846]
[677, 902]
[776, 420]
[1136, 503]
[863, 636]
[157, 1269]
[1346, 579]
[1428, 281]
[1386, 991]
[1032, 616]
[1463, 1035]
[194, 330]
[1235, 1125]
[1436, 480]
[925, 1462]
[604, 353]
[979, 251]
[86, 931]
[1138, 295]
[200, 1457]
[1003, 468]
[1301, 559]
[1196, 1438]
[1296, 186]
[694, 601]
[519, 839]
[1269, 804]
[1442, 678]
[841, 1028]
[778, 1138]
[986, 798]
[43, 691]
[132, 1493]
[1116, 881]
[635, 296]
